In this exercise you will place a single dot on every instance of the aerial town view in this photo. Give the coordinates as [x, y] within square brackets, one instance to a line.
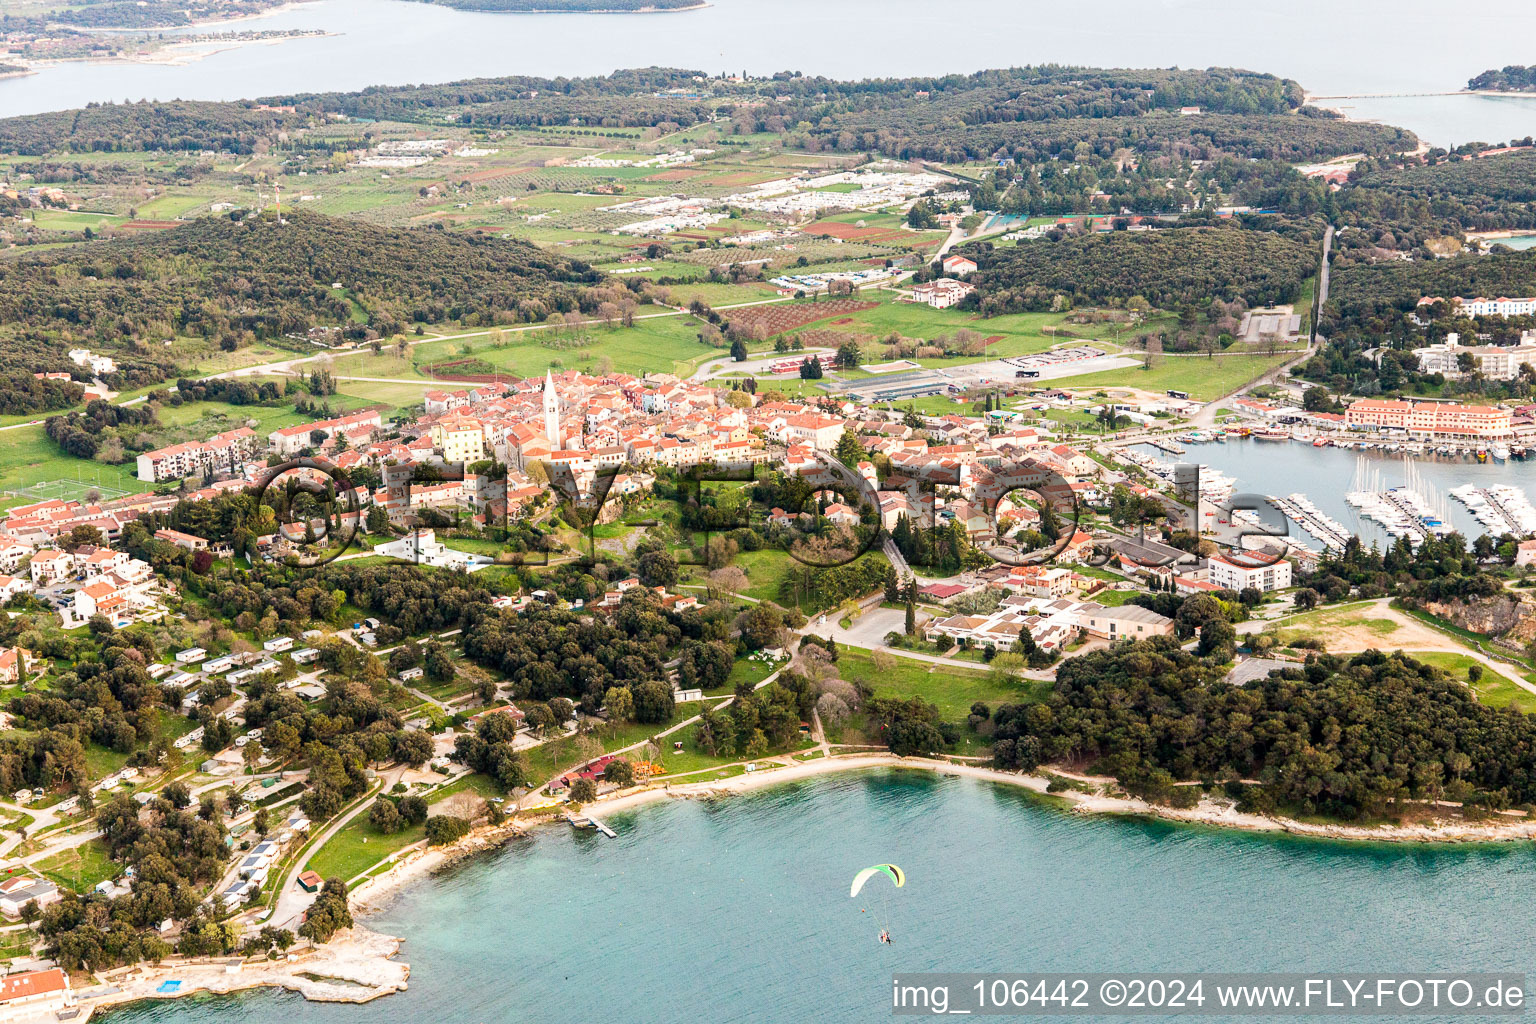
[509, 508]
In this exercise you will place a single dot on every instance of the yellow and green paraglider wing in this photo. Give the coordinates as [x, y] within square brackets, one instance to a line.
[896, 874]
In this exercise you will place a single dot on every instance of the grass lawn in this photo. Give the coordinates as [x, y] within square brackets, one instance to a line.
[358, 847]
[768, 567]
[747, 671]
[1494, 689]
[80, 868]
[1204, 379]
[952, 689]
[72, 220]
[719, 294]
[693, 758]
[103, 761]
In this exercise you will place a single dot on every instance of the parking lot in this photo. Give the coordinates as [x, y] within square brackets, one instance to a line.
[1002, 372]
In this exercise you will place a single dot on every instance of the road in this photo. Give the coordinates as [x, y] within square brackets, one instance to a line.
[291, 900]
[1407, 634]
[1322, 280]
[1206, 417]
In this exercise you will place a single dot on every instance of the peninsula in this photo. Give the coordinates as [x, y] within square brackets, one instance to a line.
[391, 472]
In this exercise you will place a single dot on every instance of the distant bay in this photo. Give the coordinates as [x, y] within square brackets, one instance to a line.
[1364, 47]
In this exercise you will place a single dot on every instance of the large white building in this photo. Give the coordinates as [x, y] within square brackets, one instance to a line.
[1495, 307]
[943, 293]
[288, 440]
[1231, 575]
[1496, 362]
[227, 451]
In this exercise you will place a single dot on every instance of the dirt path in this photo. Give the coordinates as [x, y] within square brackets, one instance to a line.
[1363, 627]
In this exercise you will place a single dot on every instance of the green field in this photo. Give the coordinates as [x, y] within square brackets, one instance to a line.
[28, 457]
[359, 846]
[81, 867]
[952, 688]
[72, 220]
[1204, 379]
[656, 344]
[1495, 688]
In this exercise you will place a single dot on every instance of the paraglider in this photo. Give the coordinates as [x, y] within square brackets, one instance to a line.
[896, 875]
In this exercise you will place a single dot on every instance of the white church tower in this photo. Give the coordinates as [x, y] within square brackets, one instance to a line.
[551, 412]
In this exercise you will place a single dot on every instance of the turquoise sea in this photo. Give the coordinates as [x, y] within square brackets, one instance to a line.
[736, 910]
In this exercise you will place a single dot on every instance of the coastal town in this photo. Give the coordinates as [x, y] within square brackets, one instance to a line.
[395, 477]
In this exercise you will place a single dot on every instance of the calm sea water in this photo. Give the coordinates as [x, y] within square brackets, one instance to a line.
[1326, 474]
[737, 910]
[1360, 47]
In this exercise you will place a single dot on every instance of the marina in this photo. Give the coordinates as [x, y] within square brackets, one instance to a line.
[1325, 475]
[1300, 510]
[1500, 508]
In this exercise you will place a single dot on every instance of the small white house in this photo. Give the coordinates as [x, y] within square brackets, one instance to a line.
[278, 644]
[191, 655]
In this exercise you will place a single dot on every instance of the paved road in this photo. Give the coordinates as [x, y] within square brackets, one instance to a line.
[293, 901]
[1322, 280]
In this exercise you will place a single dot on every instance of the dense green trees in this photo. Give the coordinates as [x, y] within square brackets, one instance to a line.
[758, 721]
[1512, 78]
[1169, 268]
[1343, 737]
[1490, 193]
[254, 279]
[329, 913]
[1376, 298]
[123, 127]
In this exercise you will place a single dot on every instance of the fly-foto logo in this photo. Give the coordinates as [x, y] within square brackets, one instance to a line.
[822, 513]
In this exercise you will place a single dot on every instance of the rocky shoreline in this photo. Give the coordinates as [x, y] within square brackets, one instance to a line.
[359, 965]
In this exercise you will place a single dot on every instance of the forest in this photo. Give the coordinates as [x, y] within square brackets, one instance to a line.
[1348, 738]
[1513, 78]
[128, 127]
[1170, 268]
[1027, 114]
[1373, 298]
[235, 281]
[1491, 193]
[146, 14]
